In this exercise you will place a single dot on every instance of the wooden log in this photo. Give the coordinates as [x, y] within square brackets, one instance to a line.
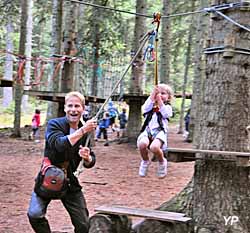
[108, 223]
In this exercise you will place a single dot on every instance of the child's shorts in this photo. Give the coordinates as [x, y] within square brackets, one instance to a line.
[161, 135]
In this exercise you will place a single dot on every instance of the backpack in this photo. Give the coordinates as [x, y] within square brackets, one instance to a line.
[51, 181]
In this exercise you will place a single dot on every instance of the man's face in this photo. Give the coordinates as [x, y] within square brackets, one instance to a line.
[73, 109]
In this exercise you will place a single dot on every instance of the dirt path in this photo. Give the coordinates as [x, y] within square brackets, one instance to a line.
[114, 180]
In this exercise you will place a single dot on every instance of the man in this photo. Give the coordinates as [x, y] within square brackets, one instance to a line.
[65, 141]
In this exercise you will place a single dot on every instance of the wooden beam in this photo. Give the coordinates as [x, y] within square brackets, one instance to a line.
[59, 96]
[6, 83]
[214, 152]
[144, 213]
[187, 154]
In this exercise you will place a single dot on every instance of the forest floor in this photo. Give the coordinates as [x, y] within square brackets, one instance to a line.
[113, 180]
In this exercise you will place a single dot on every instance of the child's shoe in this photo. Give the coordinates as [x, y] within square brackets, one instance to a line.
[143, 168]
[162, 169]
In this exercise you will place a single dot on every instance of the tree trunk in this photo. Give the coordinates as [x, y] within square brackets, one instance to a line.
[28, 53]
[199, 61]
[19, 80]
[165, 44]
[221, 189]
[69, 39]
[52, 110]
[8, 70]
[186, 69]
[138, 74]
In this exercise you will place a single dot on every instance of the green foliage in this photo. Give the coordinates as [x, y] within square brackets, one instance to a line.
[7, 114]
[177, 108]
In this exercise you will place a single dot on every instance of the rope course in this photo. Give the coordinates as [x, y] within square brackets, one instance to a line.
[143, 42]
[40, 63]
[212, 9]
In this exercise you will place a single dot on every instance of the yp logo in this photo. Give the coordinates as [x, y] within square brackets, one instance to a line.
[230, 220]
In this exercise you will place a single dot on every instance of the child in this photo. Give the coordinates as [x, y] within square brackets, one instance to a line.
[103, 126]
[35, 125]
[123, 121]
[112, 110]
[157, 110]
[187, 121]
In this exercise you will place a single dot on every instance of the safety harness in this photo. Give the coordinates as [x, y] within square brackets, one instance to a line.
[149, 115]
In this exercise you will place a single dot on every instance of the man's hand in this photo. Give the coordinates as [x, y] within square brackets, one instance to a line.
[84, 152]
[89, 126]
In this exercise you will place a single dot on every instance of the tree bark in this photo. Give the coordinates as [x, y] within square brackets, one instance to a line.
[54, 78]
[19, 79]
[28, 53]
[199, 74]
[165, 44]
[221, 189]
[138, 74]
[8, 69]
[186, 69]
[69, 46]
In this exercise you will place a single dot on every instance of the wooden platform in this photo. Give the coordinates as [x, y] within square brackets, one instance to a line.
[6, 83]
[59, 96]
[144, 213]
[187, 154]
[143, 97]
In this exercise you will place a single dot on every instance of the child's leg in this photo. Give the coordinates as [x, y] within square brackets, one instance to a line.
[37, 134]
[155, 147]
[98, 132]
[143, 147]
[105, 135]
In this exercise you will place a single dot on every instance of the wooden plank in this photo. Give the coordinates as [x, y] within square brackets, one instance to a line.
[59, 96]
[6, 83]
[145, 213]
[177, 157]
[213, 152]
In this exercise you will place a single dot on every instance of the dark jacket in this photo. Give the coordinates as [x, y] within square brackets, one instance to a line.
[58, 149]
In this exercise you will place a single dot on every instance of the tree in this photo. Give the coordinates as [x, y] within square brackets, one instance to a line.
[199, 73]
[8, 71]
[186, 68]
[19, 80]
[165, 44]
[53, 78]
[138, 74]
[69, 46]
[28, 52]
[220, 187]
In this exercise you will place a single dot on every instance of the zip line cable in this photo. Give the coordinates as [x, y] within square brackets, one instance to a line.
[109, 8]
[204, 10]
[143, 42]
[232, 21]
[213, 9]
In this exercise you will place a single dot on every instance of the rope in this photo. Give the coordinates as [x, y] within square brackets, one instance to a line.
[232, 21]
[109, 8]
[215, 9]
[157, 20]
[143, 42]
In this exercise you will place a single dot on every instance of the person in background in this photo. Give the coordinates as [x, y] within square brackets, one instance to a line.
[86, 114]
[153, 137]
[35, 124]
[123, 119]
[65, 142]
[187, 122]
[113, 112]
[103, 125]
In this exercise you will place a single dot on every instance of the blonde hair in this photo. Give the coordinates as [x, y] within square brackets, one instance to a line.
[76, 94]
[168, 89]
